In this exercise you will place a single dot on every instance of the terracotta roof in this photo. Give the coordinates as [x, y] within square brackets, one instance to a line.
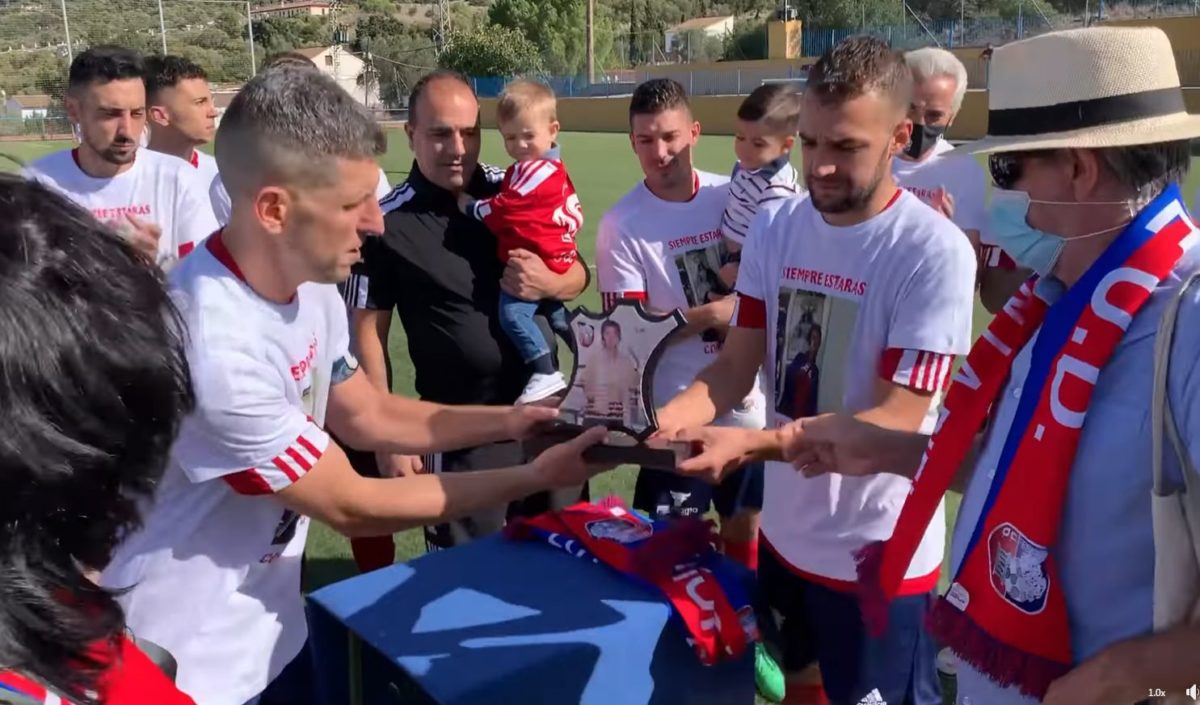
[288, 6]
[31, 102]
[699, 23]
[311, 52]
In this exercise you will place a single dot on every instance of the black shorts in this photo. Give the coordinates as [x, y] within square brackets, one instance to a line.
[809, 622]
[664, 494]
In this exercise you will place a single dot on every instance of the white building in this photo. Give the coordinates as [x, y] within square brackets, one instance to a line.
[292, 9]
[675, 37]
[26, 106]
[345, 68]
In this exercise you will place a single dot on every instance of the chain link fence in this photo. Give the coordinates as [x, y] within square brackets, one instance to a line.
[38, 39]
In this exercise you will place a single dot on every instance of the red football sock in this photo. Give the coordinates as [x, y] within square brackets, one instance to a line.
[744, 552]
[805, 695]
[373, 552]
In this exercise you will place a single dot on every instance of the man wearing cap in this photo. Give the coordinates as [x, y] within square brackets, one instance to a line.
[1053, 558]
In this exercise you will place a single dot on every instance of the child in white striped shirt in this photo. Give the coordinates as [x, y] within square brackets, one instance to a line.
[765, 133]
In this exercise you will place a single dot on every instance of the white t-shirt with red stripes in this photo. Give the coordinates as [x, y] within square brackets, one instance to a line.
[843, 308]
[157, 188]
[215, 571]
[667, 254]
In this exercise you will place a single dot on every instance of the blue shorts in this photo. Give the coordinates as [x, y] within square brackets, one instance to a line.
[809, 622]
[664, 494]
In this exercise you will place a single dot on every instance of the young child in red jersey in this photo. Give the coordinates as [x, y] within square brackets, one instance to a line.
[536, 210]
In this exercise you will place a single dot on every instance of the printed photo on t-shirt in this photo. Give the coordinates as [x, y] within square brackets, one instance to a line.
[798, 332]
[812, 335]
[699, 273]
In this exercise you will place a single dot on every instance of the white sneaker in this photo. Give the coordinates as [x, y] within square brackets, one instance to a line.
[541, 386]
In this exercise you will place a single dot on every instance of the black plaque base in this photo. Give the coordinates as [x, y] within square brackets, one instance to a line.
[619, 449]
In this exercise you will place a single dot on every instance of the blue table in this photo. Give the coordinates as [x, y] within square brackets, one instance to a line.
[498, 622]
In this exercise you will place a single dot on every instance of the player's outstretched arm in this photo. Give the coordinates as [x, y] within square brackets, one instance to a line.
[720, 387]
[333, 493]
[368, 418]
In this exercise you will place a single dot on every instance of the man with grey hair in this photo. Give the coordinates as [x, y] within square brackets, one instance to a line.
[214, 575]
[956, 187]
[1056, 595]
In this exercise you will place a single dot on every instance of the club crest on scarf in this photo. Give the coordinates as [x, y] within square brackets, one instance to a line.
[1005, 612]
[620, 531]
[1018, 569]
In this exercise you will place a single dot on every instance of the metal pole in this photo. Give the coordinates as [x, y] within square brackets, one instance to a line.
[591, 41]
[67, 31]
[250, 28]
[162, 26]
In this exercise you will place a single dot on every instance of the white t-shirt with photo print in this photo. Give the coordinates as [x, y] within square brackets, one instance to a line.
[157, 188]
[962, 177]
[215, 571]
[668, 254]
[844, 307]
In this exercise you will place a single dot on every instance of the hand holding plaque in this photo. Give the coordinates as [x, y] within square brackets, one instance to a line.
[612, 386]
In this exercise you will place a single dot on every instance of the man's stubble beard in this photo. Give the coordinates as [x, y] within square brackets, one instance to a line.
[857, 199]
[109, 154]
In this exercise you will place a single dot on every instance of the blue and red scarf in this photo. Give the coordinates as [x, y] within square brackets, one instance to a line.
[1005, 613]
[677, 559]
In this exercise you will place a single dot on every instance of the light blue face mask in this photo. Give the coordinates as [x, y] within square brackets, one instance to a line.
[1009, 228]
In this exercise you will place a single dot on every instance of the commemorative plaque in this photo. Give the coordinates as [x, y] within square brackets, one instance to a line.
[611, 385]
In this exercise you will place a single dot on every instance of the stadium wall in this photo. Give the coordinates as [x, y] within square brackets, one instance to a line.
[716, 113]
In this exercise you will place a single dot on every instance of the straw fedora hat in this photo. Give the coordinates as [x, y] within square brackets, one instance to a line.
[1085, 88]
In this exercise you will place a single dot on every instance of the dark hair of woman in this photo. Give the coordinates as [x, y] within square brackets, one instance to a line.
[93, 387]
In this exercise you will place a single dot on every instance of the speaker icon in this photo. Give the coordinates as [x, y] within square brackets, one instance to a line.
[1193, 693]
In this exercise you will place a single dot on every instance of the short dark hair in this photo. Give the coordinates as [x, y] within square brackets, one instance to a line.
[657, 95]
[418, 89]
[288, 58]
[95, 384]
[167, 71]
[288, 125]
[610, 324]
[861, 65]
[777, 105]
[103, 64]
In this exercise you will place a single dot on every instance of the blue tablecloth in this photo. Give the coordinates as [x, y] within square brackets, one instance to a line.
[497, 622]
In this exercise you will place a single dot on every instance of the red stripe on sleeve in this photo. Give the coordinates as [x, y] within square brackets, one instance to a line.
[286, 469]
[248, 482]
[300, 459]
[316, 454]
[751, 313]
[186, 248]
[916, 369]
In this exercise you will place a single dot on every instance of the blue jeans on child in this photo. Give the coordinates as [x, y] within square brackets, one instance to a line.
[516, 318]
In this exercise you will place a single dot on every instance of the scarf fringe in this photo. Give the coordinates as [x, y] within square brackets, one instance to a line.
[1007, 666]
[873, 600]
